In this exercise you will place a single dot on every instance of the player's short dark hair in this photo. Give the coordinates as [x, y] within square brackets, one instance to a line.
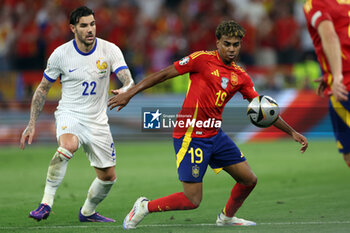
[78, 13]
[229, 28]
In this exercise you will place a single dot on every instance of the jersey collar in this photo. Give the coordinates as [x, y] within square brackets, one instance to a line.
[81, 52]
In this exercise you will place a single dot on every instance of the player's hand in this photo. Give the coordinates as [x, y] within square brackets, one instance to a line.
[301, 139]
[321, 86]
[118, 91]
[27, 133]
[120, 98]
[339, 90]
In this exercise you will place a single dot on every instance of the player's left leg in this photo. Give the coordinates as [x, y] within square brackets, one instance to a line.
[99, 148]
[228, 157]
[98, 191]
[246, 181]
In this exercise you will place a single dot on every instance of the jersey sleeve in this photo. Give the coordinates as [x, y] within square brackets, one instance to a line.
[189, 64]
[315, 13]
[53, 70]
[117, 59]
[248, 90]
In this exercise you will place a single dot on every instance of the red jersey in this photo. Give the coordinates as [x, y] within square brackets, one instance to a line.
[336, 11]
[212, 85]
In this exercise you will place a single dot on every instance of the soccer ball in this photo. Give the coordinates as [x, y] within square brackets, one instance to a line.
[263, 111]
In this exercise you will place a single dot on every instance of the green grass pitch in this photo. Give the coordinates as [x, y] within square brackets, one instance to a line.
[295, 193]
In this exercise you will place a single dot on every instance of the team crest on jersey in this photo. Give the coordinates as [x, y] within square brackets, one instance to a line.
[184, 61]
[224, 82]
[234, 79]
[102, 66]
[195, 171]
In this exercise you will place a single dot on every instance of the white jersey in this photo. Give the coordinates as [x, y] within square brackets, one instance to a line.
[84, 78]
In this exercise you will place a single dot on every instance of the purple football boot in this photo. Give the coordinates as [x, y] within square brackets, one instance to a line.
[96, 217]
[42, 212]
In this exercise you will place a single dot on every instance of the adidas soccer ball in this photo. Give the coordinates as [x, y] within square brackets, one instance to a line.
[263, 111]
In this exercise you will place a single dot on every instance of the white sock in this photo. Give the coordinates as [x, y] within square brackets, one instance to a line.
[97, 192]
[55, 174]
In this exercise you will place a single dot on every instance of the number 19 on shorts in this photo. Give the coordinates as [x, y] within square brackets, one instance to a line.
[196, 155]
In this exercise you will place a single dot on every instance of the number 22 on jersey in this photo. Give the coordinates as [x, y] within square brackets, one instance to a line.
[89, 89]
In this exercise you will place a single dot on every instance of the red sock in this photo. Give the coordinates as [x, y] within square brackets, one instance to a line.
[238, 194]
[175, 201]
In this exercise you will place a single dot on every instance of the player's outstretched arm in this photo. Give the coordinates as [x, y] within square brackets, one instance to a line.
[282, 125]
[126, 79]
[332, 49]
[122, 99]
[38, 102]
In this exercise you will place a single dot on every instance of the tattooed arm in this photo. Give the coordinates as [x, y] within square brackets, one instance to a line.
[38, 102]
[125, 78]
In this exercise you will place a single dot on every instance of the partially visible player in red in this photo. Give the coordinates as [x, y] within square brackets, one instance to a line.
[329, 27]
[214, 79]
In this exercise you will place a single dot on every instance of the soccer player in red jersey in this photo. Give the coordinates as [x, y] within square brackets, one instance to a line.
[214, 79]
[328, 24]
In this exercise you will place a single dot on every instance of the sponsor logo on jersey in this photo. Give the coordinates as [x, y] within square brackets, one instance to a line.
[184, 61]
[102, 66]
[72, 70]
[195, 171]
[224, 82]
[151, 120]
[216, 73]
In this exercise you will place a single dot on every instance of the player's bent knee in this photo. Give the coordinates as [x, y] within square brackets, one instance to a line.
[253, 180]
[106, 174]
[109, 178]
[194, 202]
[64, 153]
[196, 205]
[69, 147]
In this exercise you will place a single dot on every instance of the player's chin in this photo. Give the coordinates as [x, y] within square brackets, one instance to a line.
[231, 59]
[90, 40]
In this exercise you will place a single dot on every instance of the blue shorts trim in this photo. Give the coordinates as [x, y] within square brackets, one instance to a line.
[340, 117]
[193, 155]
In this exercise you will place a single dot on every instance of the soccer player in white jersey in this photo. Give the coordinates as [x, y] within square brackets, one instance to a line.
[83, 66]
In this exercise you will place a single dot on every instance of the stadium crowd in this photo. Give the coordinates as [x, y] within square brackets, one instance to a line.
[154, 33]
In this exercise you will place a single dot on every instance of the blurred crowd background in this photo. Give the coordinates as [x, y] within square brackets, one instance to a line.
[277, 51]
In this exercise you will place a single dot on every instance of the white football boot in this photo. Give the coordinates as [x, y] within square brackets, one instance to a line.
[223, 220]
[137, 213]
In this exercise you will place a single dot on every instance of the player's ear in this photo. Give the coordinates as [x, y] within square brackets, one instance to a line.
[72, 27]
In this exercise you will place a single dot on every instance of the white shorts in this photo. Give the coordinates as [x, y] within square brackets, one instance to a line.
[96, 140]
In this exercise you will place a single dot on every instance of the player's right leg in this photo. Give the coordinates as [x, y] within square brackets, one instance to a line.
[175, 201]
[339, 113]
[68, 144]
[346, 157]
[192, 157]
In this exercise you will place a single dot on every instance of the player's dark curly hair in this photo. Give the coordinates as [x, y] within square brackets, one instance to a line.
[78, 13]
[229, 28]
